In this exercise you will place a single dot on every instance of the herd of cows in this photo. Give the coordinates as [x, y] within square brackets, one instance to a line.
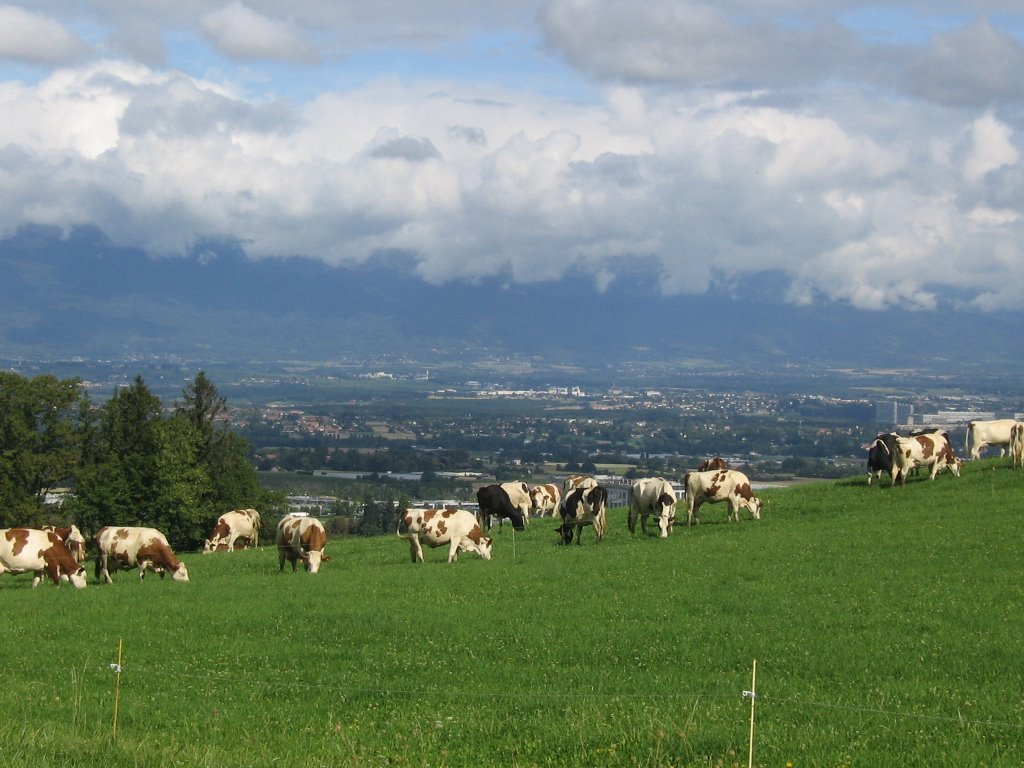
[59, 552]
[897, 456]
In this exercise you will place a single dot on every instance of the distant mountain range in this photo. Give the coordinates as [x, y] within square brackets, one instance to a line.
[76, 294]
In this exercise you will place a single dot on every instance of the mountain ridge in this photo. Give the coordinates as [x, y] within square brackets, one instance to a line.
[75, 293]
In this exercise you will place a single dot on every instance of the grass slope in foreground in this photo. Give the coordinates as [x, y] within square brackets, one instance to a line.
[886, 624]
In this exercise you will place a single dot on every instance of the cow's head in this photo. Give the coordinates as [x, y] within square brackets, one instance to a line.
[311, 560]
[535, 498]
[667, 514]
[483, 548]
[180, 573]
[754, 505]
[518, 522]
[207, 546]
[77, 578]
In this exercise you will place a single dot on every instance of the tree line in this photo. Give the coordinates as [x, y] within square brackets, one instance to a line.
[128, 461]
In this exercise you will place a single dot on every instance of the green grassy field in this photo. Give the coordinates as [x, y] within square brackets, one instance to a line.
[886, 625]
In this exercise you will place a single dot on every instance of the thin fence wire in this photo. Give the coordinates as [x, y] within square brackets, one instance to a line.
[204, 680]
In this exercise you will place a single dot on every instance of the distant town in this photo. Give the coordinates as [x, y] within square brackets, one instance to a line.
[318, 431]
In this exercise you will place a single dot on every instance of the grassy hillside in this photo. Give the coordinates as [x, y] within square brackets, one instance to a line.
[886, 625]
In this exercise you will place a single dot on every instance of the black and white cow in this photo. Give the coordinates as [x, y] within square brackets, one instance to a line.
[882, 458]
[652, 495]
[583, 506]
[511, 500]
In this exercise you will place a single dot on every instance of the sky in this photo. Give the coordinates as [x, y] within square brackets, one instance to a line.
[869, 152]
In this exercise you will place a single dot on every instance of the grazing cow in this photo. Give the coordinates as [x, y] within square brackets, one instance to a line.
[652, 495]
[511, 500]
[1017, 444]
[301, 538]
[981, 434]
[544, 500]
[882, 458]
[72, 538]
[24, 550]
[716, 463]
[129, 547]
[720, 485]
[457, 528]
[583, 506]
[241, 524]
[930, 450]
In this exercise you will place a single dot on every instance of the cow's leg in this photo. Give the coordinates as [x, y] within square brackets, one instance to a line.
[691, 513]
[453, 550]
[280, 559]
[631, 519]
[415, 549]
[102, 571]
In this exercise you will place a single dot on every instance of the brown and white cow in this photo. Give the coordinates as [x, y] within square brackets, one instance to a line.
[544, 500]
[652, 495]
[457, 528]
[930, 450]
[981, 434]
[573, 482]
[1017, 444]
[720, 485]
[240, 524]
[300, 537]
[25, 550]
[72, 538]
[715, 463]
[586, 505]
[124, 547]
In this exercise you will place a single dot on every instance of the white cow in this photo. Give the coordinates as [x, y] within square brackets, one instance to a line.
[930, 450]
[130, 547]
[652, 495]
[545, 499]
[24, 550]
[231, 526]
[457, 528]
[720, 485]
[304, 538]
[984, 433]
[583, 506]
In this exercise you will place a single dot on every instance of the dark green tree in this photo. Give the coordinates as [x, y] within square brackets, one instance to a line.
[223, 454]
[42, 423]
[142, 468]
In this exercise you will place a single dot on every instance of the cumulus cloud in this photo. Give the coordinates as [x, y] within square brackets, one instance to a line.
[240, 32]
[33, 37]
[709, 144]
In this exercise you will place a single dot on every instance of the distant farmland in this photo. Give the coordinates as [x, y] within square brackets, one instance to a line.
[886, 626]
